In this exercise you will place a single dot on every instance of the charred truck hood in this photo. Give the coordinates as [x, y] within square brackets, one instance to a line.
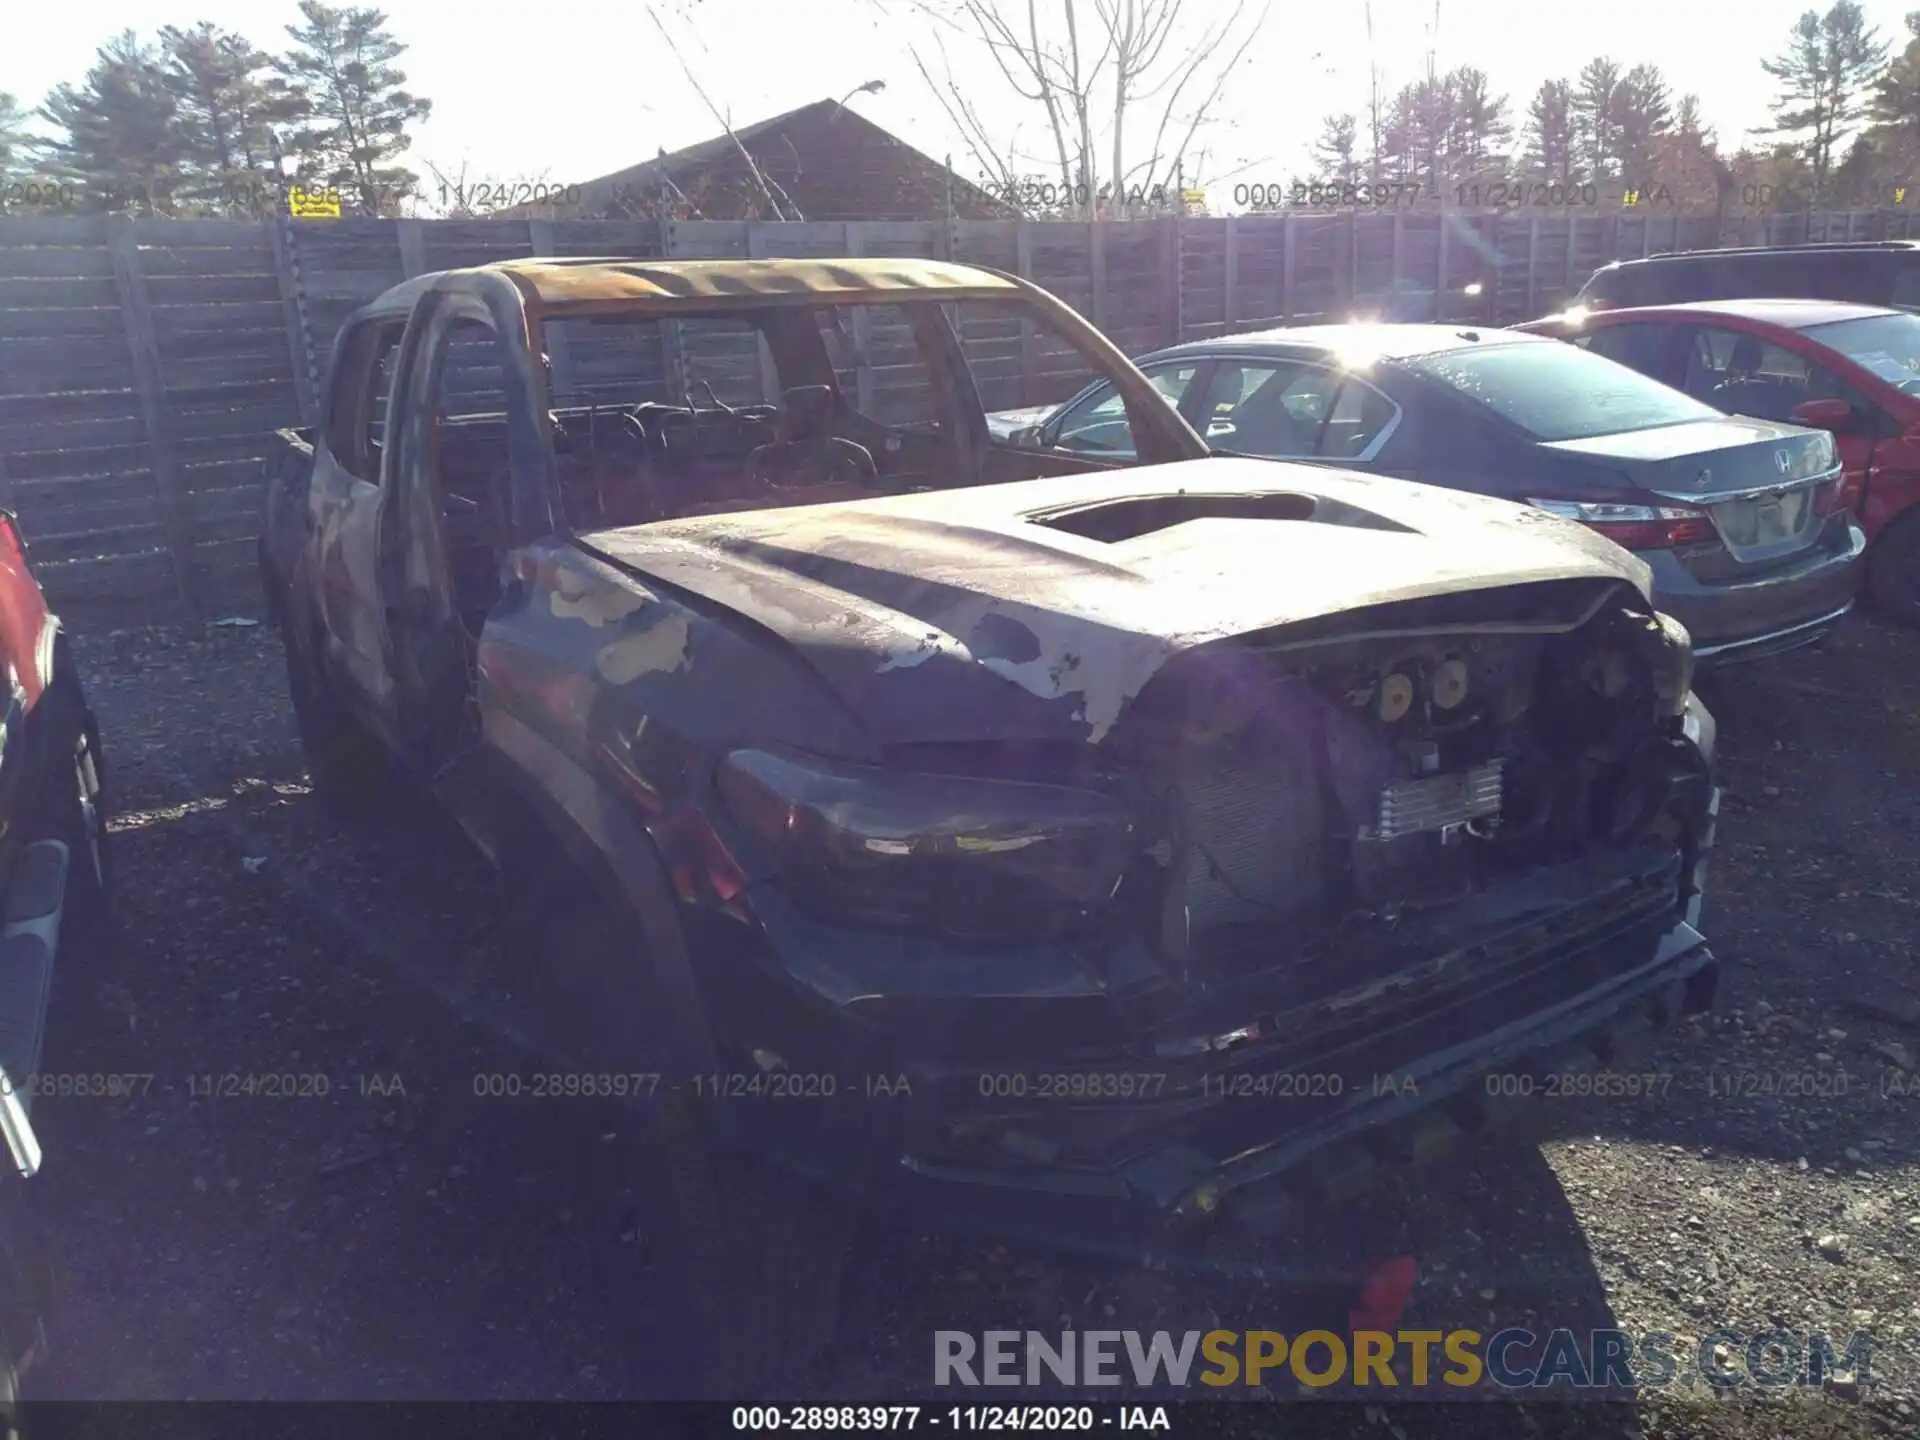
[1330, 776]
[1039, 609]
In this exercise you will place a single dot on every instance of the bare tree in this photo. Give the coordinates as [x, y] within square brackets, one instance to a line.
[1377, 139]
[1121, 89]
[770, 190]
[993, 154]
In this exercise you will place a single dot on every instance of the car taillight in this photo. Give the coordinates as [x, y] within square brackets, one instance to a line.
[1636, 527]
[1840, 493]
[13, 549]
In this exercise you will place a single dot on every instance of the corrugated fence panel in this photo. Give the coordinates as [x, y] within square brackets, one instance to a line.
[1203, 294]
[227, 374]
[1136, 308]
[1322, 280]
[1259, 271]
[339, 266]
[73, 445]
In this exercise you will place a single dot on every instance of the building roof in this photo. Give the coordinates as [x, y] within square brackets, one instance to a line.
[1386, 341]
[650, 177]
[589, 282]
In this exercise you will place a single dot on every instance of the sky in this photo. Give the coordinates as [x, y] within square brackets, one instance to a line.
[567, 90]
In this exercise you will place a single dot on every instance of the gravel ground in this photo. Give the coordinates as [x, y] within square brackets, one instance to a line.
[398, 1237]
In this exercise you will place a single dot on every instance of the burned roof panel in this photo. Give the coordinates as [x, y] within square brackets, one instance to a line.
[562, 285]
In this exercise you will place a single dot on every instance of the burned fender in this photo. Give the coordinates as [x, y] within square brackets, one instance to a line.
[597, 827]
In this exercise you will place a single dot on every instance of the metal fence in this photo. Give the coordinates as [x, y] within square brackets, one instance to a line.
[145, 365]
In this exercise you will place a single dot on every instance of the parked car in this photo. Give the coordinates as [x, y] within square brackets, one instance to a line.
[1872, 272]
[1850, 369]
[1013, 836]
[54, 914]
[1743, 523]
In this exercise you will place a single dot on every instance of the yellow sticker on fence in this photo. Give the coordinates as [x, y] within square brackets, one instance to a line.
[313, 204]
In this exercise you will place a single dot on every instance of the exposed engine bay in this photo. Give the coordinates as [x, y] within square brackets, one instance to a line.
[1352, 784]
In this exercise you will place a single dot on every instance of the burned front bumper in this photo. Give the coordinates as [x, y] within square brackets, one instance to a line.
[1016, 1113]
[1241, 1156]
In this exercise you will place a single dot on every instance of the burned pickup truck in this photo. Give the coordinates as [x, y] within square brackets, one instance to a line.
[977, 828]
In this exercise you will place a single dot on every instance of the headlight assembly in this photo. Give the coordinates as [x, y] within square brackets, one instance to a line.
[959, 855]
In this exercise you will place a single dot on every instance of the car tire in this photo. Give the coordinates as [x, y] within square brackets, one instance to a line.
[79, 818]
[1893, 569]
[750, 1253]
[67, 803]
[349, 768]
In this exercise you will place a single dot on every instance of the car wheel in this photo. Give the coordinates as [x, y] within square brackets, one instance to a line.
[83, 825]
[70, 807]
[751, 1254]
[1893, 569]
[348, 766]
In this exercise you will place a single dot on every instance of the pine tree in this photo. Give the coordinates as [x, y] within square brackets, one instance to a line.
[1686, 163]
[1419, 123]
[1595, 126]
[14, 141]
[1642, 113]
[342, 59]
[1824, 73]
[1399, 140]
[1550, 133]
[1896, 102]
[1480, 129]
[120, 142]
[228, 102]
[1335, 151]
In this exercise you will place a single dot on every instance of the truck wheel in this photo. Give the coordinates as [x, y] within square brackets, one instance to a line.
[1893, 569]
[349, 767]
[751, 1254]
[760, 1254]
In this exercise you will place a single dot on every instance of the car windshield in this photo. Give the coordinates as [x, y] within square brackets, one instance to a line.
[1560, 392]
[1888, 345]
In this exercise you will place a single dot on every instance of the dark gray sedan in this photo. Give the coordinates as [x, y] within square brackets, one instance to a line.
[1742, 522]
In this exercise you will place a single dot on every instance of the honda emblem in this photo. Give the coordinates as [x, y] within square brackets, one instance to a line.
[1783, 461]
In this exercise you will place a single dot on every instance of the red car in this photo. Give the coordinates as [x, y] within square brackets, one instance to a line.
[53, 912]
[1850, 369]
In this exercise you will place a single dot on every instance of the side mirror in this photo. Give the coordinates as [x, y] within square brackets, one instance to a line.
[1830, 414]
[1028, 437]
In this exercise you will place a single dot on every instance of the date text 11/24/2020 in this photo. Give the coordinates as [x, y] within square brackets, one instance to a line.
[845, 1419]
[1401, 194]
